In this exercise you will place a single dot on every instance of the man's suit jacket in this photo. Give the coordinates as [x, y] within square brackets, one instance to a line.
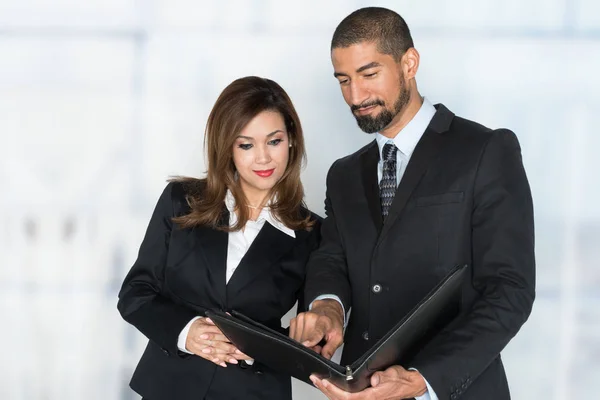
[464, 199]
[180, 273]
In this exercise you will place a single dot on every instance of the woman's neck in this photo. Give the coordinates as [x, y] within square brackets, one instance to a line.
[255, 202]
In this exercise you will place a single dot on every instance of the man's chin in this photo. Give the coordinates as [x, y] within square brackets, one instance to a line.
[368, 126]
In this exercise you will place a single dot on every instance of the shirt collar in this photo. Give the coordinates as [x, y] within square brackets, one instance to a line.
[406, 140]
[265, 215]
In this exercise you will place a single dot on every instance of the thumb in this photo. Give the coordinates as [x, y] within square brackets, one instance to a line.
[380, 377]
[376, 378]
[328, 350]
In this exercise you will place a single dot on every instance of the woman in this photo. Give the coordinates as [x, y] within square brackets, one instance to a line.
[238, 239]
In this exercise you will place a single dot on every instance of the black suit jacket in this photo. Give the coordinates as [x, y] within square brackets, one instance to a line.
[464, 199]
[180, 273]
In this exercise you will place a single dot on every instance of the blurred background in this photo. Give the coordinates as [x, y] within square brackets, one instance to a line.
[102, 100]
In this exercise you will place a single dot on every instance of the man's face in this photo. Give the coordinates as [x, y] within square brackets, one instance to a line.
[372, 84]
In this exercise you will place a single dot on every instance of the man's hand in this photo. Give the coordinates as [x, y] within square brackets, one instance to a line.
[206, 340]
[324, 321]
[392, 384]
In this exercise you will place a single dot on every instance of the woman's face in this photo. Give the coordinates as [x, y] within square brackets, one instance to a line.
[261, 154]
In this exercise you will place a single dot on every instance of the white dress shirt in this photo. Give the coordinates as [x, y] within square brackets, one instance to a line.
[238, 244]
[406, 140]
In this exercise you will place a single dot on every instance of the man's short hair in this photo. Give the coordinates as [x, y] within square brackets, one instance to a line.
[374, 24]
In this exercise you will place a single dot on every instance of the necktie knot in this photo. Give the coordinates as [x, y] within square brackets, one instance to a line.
[389, 152]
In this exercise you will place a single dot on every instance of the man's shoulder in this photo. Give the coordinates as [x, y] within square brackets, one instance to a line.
[469, 128]
[354, 158]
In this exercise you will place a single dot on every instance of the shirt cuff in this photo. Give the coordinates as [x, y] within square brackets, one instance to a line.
[331, 297]
[429, 394]
[183, 336]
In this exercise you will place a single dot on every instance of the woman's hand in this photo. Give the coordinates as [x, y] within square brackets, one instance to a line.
[206, 340]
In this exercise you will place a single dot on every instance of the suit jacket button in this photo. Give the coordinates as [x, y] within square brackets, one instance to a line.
[365, 335]
[376, 288]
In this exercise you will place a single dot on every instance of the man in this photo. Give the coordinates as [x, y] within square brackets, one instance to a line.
[430, 192]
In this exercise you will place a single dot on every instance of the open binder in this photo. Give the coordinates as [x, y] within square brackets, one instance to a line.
[283, 354]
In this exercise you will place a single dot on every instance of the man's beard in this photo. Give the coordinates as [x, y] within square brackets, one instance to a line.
[379, 122]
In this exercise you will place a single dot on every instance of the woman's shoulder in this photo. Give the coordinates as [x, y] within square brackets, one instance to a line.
[181, 189]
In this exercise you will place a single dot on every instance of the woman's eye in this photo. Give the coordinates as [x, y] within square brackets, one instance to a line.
[245, 146]
[275, 142]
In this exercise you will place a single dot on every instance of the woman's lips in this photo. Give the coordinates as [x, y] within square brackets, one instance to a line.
[265, 173]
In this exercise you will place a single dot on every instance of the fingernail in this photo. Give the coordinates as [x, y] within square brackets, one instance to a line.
[233, 361]
[209, 320]
[223, 365]
[375, 380]
[238, 352]
[206, 351]
[313, 380]
[305, 343]
[325, 383]
[205, 336]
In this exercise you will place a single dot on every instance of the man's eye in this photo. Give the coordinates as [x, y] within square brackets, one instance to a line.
[245, 146]
[371, 75]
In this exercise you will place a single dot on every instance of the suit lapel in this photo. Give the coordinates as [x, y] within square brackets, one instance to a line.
[424, 153]
[212, 244]
[369, 160]
[270, 245]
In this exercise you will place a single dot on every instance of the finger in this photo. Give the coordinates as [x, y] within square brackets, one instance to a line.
[334, 392]
[333, 340]
[213, 359]
[314, 337]
[218, 348]
[299, 323]
[219, 362]
[317, 349]
[209, 321]
[205, 329]
[241, 356]
[376, 379]
[389, 375]
[329, 348]
[215, 337]
[292, 332]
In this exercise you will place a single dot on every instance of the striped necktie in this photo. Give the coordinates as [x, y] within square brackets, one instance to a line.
[387, 186]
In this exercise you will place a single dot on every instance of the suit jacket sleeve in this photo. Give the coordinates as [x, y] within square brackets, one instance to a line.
[503, 273]
[314, 239]
[327, 271]
[142, 299]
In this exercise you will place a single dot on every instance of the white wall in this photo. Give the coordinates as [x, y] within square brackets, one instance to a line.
[100, 101]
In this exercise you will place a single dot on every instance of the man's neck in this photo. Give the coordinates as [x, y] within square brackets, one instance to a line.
[403, 117]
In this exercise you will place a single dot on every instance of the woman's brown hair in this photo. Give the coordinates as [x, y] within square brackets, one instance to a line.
[235, 107]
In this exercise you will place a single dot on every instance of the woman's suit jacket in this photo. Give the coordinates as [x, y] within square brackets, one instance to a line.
[180, 273]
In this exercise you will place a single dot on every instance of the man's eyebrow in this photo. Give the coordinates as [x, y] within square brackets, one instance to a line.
[369, 65]
[359, 70]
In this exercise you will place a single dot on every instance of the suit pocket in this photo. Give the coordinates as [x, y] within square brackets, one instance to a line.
[438, 199]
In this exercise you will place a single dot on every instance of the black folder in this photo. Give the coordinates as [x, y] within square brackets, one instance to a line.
[283, 354]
